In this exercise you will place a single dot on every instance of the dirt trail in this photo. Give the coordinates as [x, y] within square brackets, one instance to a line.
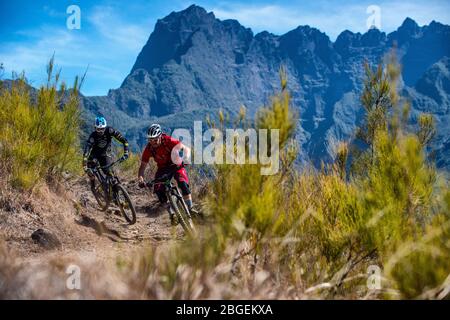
[152, 220]
[84, 231]
[99, 243]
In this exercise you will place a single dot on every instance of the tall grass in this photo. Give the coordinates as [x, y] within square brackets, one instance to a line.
[295, 234]
[314, 233]
[39, 130]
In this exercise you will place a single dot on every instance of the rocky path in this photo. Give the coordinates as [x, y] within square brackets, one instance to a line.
[152, 220]
[82, 229]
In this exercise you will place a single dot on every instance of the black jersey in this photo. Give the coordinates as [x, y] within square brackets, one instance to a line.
[99, 145]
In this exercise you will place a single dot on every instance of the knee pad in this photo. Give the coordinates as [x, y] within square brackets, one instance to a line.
[184, 187]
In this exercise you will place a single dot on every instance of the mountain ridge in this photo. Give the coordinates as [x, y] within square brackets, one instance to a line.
[194, 64]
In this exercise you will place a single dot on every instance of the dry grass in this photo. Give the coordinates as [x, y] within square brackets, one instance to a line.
[310, 234]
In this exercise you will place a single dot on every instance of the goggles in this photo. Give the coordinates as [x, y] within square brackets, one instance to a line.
[153, 140]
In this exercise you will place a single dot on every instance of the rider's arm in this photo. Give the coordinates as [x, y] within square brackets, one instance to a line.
[176, 158]
[144, 161]
[142, 171]
[88, 148]
[119, 137]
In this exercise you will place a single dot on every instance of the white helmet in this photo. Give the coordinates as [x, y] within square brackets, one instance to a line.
[154, 131]
[100, 122]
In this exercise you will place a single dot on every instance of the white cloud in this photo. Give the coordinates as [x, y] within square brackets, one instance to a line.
[110, 41]
[331, 19]
[32, 56]
[110, 49]
[73, 53]
[131, 37]
[394, 13]
[51, 12]
[268, 17]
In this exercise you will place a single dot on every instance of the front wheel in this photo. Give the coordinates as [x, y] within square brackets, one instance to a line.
[125, 204]
[181, 210]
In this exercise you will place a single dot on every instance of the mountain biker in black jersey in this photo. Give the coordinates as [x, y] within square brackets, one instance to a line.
[98, 147]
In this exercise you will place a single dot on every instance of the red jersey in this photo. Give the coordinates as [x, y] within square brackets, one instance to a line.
[162, 153]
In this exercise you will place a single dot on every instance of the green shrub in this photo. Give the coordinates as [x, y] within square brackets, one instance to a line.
[316, 231]
[39, 134]
[420, 267]
[397, 192]
[241, 192]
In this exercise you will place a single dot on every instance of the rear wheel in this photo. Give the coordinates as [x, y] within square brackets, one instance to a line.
[125, 204]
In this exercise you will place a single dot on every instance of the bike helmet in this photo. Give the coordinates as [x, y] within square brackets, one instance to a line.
[100, 123]
[154, 131]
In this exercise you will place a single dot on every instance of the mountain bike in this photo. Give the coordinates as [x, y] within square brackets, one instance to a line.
[109, 189]
[176, 202]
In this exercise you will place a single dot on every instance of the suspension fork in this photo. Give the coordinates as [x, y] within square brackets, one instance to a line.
[175, 191]
[113, 182]
[100, 179]
[107, 186]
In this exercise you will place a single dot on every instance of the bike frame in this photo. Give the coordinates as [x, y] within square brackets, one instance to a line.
[112, 191]
[104, 179]
[171, 190]
[165, 180]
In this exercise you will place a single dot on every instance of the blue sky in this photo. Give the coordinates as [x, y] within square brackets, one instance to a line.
[113, 32]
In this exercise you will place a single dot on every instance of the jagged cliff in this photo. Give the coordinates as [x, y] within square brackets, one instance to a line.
[194, 64]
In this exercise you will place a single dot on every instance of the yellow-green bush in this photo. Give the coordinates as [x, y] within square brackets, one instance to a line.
[338, 216]
[129, 168]
[325, 227]
[243, 204]
[39, 134]
[397, 192]
[240, 192]
[420, 267]
[131, 165]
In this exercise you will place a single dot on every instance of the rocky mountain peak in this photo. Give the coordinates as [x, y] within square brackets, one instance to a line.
[194, 64]
[192, 16]
[409, 29]
[373, 38]
[409, 25]
[171, 35]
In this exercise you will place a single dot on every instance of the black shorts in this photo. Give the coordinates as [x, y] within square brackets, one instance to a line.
[103, 160]
[184, 187]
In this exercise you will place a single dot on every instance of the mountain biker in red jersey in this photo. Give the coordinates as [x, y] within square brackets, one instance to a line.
[165, 150]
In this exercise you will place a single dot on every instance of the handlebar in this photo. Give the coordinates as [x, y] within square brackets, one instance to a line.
[165, 177]
[112, 164]
[158, 181]
[97, 165]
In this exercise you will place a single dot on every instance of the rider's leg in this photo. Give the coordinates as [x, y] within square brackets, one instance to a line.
[165, 202]
[183, 183]
[106, 160]
[159, 189]
[92, 182]
[188, 200]
[187, 196]
[161, 194]
[186, 192]
[162, 197]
